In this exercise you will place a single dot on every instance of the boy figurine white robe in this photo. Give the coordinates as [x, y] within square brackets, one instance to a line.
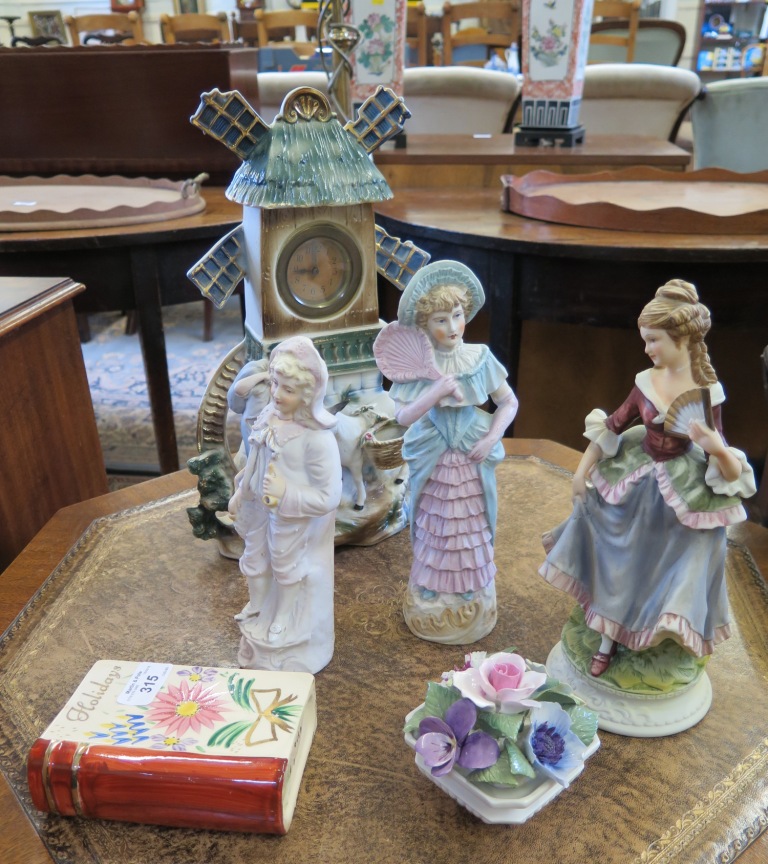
[284, 507]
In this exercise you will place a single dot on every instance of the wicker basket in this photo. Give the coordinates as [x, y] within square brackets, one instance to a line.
[384, 444]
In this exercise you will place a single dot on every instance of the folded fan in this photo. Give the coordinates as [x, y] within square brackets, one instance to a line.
[405, 354]
[692, 405]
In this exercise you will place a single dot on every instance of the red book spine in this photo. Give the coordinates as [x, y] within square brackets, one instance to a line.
[192, 790]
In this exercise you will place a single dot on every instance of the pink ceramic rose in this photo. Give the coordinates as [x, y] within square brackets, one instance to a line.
[501, 682]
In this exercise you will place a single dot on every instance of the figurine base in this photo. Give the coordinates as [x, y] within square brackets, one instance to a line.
[531, 136]
[305, 639]
[632, 714]
[497, 806]
[293, 658]
[450, 619]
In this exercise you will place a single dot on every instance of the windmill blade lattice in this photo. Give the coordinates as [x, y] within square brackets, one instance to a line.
[220, 270]
[379, 118]
[397, 261]
[229, 118]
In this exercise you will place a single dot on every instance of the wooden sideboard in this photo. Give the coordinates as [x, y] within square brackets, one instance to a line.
[440, 161]
[48, 438]
[117, 109]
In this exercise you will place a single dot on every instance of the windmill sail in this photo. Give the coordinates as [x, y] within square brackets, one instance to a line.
[229, 118]
[220, 270]
[379, 118]
[397, 261]
[692, 405]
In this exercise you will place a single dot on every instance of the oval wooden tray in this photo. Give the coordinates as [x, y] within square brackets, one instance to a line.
[67, 202]
[710, 201]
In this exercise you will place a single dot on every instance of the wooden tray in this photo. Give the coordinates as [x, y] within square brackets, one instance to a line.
[710, 201]
[66, 202]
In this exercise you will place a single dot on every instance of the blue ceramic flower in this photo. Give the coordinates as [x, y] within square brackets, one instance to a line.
[443, 743]
[551, 746]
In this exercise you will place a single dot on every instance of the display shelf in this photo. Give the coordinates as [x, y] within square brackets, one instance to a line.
[730, 39]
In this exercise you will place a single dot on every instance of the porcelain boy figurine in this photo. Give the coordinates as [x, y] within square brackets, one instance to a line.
[644, 551]
[284, 507]
[452, 449]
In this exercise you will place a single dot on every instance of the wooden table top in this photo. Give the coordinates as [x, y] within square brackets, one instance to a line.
[19, 843]
[219, 214]
[475, 212]
[23, 298]
[617, 150]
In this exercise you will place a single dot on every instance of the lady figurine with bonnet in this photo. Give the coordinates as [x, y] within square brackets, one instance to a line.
[452, 449]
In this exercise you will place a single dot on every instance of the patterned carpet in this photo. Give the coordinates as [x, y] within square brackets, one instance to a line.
[119, 388]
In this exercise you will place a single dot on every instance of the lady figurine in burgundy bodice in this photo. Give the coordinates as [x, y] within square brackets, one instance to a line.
[644, 551]
[284, 507]
[452, 449]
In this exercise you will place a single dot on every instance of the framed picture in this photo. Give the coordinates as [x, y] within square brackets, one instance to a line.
[184, 7]
[48, 24]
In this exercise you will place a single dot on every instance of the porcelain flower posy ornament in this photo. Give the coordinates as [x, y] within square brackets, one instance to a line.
[500, 736]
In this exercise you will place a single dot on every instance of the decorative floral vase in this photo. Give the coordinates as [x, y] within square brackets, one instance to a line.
[380, 56]
[555, 45]
[501, 737]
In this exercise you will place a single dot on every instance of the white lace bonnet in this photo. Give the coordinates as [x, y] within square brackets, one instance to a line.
[439, 273]
[306, 354]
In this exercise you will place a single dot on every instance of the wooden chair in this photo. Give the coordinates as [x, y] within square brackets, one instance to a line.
[281, 25]
[104, 29]
[192, 27]
[658, 41]
[628, 10]
[487, 38]
[245, 29]
[416, 40]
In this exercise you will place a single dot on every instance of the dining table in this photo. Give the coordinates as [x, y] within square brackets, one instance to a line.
[143, 267]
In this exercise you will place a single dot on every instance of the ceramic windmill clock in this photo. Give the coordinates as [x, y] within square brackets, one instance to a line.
[308, 251]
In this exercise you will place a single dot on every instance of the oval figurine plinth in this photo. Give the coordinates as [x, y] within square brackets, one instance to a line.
[451, 619]
[632, 714]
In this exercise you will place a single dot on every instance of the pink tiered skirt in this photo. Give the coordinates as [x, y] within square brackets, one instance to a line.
[452, 548]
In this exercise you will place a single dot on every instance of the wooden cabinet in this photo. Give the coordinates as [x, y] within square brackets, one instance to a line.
[730, 40]
[51, 455]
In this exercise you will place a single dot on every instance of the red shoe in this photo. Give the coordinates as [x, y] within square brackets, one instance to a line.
[601, 661]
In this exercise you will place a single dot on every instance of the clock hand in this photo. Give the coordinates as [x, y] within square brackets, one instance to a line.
[313, 270]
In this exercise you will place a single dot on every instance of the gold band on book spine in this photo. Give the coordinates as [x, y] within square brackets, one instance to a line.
[46, 780]
[77, 801]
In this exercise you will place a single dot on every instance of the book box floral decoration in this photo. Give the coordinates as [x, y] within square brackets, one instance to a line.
[501, 736]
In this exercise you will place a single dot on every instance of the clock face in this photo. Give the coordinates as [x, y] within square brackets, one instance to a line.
[319, 270]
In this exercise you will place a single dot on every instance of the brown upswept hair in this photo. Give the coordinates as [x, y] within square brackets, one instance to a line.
[441, 298]
[676, 309]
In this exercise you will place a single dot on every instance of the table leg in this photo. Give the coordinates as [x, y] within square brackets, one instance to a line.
[146, 289]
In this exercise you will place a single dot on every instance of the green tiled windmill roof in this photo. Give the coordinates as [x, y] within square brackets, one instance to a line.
[309, 162]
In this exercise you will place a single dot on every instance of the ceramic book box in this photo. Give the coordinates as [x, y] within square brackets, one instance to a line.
[194, 747]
